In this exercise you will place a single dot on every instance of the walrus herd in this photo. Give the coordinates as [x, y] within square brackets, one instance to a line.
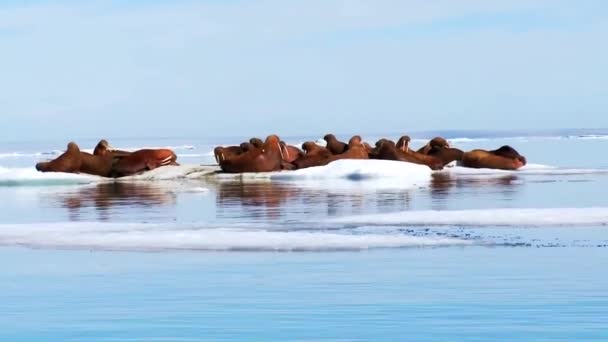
[107, 162]
[273, 154]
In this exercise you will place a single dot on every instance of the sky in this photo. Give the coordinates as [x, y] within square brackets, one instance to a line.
[75, 69]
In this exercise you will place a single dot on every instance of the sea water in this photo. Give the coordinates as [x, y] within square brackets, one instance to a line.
[353, 251]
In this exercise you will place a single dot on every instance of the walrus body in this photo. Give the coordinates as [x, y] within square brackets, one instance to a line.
[103, 148]
[386, 150]
[221, 153]
[355, 150]
[290, 153]
[315, 156]
[98, 165]
[418, 158]
[437, 142]
[69, 161]
[446, 155]
[505, 158]
[334, 145]
[266, 159]
[142, 160]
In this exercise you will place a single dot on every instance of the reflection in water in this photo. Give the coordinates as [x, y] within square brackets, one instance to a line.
[287, 201]
[255, 200]
[444, 184]
[273, 201]
[107, 196]
[239, 202]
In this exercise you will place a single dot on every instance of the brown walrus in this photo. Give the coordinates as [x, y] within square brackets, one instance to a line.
[355, 150]
[69, 161]
[437, 142]
[446, 155]
[290, 153]
[504, 158]
[386, 150]
[334, 145]
[142, 160]
[108, 162]
[420, 158]
[375, 152]
[257, 142]
[221, 152]
[266, 159]
[315, 156]
[103, 148]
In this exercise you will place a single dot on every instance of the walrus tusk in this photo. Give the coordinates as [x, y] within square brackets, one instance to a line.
[281, 151]
[287, 152]
[166, 161]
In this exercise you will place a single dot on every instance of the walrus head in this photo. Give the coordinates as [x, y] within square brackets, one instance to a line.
[355, 141]
[404, 143]
[72, 149]
[246, 147]
[439, 142]
[102, 148]
[509, 152]
[257, 142]
[309, 146]
[218, 152]
[329, 137]
[383, 141]
[273, 143]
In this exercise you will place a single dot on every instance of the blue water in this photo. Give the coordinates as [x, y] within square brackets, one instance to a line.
[205, 259]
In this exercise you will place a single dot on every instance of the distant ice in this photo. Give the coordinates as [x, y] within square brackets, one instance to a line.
[153, 237]
[486, 217]
[530, 169]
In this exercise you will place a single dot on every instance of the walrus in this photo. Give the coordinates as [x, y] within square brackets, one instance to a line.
[69, 161]
[266, 159]
[387, 150]
[76, 161]
[509, 152]
[257, 142]
[142, 160]
[290, 153]
[375, 152]
[103, 148]
[221, 152]
[504, 158]
[334, 145]
[437, 142]
[315, 156]
[446, 155]
[421, 158]
[355, 150]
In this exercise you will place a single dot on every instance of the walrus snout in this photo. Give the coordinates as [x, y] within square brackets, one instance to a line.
[523, 160]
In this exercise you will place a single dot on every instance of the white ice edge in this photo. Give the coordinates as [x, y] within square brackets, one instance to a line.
[347, 173]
